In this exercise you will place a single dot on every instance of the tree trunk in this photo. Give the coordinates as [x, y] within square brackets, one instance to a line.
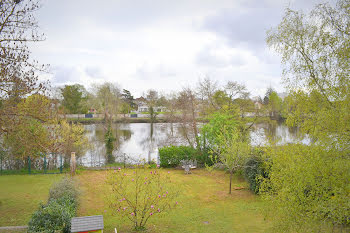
[231, 173]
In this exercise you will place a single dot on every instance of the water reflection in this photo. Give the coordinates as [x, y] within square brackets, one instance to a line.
[138, 141]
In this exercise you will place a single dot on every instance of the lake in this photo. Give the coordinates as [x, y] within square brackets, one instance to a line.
[136, 141]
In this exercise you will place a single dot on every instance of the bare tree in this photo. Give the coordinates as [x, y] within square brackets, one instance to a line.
[236, 90]
[206, 89]
[18, 73]
[188, 104]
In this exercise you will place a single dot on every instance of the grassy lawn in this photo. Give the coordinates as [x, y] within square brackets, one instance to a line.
[204, 205]
[20, 196]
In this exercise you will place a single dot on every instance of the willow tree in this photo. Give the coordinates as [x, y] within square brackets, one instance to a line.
[315, 55]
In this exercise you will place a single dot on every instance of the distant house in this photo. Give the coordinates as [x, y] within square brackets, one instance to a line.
[142, 106]
[92, 110]
[257, 102]
[258, 105]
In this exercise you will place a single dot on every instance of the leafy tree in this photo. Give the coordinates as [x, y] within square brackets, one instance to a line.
[109, 139]
[124, 108]
[315, 55]
[152, 102]
[30, 135]
[217, 122]
[106, 99]
[67, 138]
[316, 69]
[267, 95]
[74, 98]
[232, 150]
[221, 100]
[128, 98]
[227, 139]
[274, 105]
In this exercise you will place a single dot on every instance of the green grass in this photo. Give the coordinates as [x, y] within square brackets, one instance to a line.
[20, 196]
[204, 205]
[32, 172]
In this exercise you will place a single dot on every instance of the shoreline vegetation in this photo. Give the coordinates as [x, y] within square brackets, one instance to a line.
[148, 120]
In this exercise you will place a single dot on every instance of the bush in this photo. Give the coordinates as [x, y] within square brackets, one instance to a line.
[308, 186]
[171, 156]
[51, 218]
[253, 170]
[65, 189]
[203, 159]
[57, 213]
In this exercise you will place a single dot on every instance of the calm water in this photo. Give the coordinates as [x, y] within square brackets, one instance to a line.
[137, 141]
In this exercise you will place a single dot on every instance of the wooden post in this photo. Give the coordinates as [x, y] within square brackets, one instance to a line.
[72, 163]
[61, 164]
[29, 165]
[45, 164]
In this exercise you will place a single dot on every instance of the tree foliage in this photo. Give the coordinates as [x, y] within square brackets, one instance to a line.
[316, 68]
[226, 137]
[74, 98]
[310, 184]
[106, 99]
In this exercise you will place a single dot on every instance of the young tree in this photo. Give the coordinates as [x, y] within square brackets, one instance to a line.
[152, 102]
[140, 193]
[109, 139]
[232, 150]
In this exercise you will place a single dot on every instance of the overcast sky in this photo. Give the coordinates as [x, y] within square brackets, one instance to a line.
[161, 44]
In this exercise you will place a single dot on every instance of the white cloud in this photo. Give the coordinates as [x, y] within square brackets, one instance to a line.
[160, 44]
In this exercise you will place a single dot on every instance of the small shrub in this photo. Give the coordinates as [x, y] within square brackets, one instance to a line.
[65, 188]
[140, 194]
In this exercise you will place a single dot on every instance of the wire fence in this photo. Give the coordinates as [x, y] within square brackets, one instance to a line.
[43, 164]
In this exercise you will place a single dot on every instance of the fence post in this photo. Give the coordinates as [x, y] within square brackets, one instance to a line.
[60, 163]
[124, 160]
[29, 166]
[45, 169]
[72, 163]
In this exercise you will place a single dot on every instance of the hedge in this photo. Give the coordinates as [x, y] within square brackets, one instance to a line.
[171, 156]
